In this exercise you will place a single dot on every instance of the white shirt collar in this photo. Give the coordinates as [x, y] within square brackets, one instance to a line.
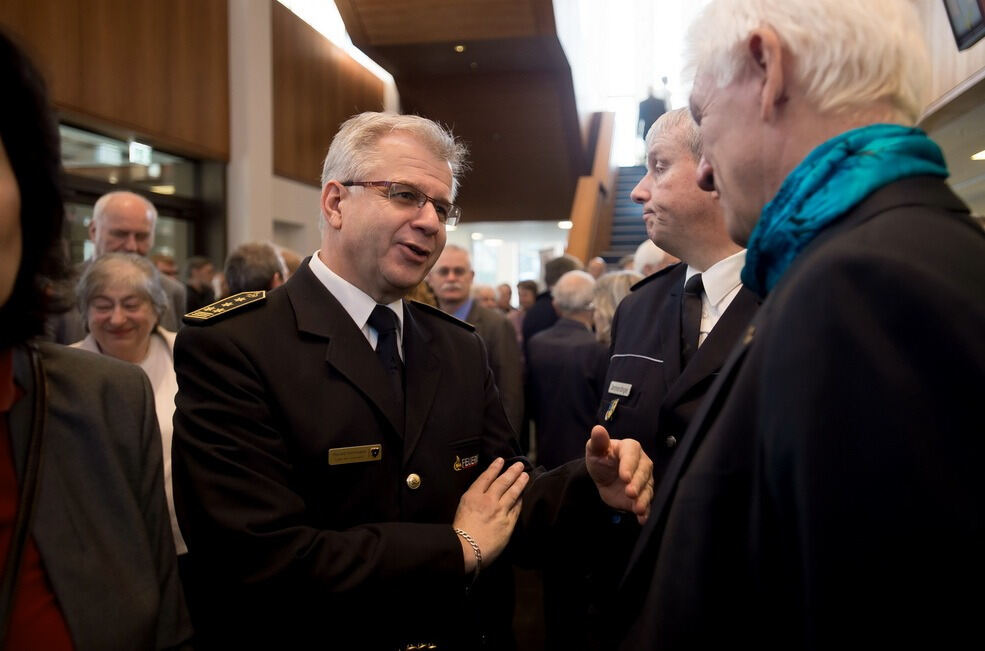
[357, 303]
[721, 278]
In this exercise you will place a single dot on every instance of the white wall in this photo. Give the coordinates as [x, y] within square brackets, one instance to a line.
[263, 206]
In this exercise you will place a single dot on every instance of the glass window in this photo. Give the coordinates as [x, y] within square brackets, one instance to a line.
[144, 170]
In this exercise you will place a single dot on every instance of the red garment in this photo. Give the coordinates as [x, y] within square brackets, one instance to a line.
[36, 621]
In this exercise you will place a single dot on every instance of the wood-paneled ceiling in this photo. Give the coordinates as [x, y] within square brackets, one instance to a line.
[508, 95]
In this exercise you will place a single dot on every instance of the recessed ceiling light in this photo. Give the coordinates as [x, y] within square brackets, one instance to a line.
[476, 236]
[459, 48]
[979, 156]
[565, 225]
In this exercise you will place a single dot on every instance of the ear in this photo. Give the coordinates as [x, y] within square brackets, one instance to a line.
[92, 230]
[767, 58]
[331, 204]
[276, 281]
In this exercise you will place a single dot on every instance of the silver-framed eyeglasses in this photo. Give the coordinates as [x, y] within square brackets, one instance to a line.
[408, 196]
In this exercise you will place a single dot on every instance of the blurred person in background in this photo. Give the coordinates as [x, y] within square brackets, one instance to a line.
[121, 296]
[165, 264]
[451, 279]
[486, 296]
[199, 272]
[565, 370]
[504, 298]
[596, 267]
[254, 267]
[610, 289]
[650, 258]
[89, 556]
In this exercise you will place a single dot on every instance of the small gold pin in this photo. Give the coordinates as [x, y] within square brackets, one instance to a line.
[612, 409]
[750, 333]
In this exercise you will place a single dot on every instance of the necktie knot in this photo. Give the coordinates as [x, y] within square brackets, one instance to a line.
[383, 319]
[694, 285]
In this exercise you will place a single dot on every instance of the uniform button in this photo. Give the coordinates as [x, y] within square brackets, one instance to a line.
[671, 441]
[413, 481]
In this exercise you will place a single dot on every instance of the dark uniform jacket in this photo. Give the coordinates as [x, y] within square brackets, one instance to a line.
[645, 363]
[101, 521]
[287, 547]
[566, 368]
[829, 492]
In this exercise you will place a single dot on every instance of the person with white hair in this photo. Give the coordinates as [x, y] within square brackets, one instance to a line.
[122, 222]
[565, 370]
[828, 493]
[650, 258]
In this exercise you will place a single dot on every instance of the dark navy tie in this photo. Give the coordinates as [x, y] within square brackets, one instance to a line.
[384, 321]
[691, 318]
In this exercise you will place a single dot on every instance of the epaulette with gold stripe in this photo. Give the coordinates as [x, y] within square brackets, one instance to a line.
[215, 311]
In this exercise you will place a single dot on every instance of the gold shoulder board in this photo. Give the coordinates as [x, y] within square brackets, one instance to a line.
[225, 306]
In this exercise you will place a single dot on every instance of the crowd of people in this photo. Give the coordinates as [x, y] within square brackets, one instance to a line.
[766, 436]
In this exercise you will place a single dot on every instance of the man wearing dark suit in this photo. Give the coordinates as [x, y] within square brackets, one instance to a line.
[333, 495]
[828, 492]
[123, 222]
[650, 390]
[451, 279]
[565, 369]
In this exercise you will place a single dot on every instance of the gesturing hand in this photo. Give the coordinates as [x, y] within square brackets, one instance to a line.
[489, 509]
[622, 472]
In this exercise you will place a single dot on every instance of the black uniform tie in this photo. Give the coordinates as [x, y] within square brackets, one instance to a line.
[691, 318]
[385, 322]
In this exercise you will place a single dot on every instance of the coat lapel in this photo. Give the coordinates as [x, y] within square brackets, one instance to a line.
[318, 313]
[703, 419]
[422, 373]
[715, 349]
[668, 324]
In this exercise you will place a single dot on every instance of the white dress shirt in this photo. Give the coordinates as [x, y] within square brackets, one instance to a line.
[357, 303]
[722, 283]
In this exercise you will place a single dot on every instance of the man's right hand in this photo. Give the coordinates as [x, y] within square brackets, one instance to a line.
[489, 509]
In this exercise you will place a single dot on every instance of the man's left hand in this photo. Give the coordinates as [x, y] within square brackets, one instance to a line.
[621, 471]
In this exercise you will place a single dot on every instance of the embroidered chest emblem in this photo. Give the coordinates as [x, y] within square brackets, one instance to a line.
[466, 463]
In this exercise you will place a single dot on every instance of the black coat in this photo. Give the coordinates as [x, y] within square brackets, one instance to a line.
[646, 354]
[285, 547]
[829, 492]
[565, 369]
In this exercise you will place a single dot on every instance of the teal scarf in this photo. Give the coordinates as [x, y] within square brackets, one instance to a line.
[832, 180]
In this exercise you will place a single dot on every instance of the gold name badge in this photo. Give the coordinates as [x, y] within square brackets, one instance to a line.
[355, 454]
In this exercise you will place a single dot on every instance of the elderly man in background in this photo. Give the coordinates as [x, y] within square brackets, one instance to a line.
[650, 258]
[829, 490]
[565, 368]
[451, 279]
[122, 222]
[254, 267]
[485, 296]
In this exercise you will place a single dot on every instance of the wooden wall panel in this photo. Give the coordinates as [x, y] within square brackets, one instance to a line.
[155, 70]
[317, 86]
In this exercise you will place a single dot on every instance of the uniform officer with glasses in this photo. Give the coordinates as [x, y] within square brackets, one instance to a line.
[343, 468]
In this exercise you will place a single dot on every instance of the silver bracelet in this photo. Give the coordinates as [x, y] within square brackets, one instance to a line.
[475, 548]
